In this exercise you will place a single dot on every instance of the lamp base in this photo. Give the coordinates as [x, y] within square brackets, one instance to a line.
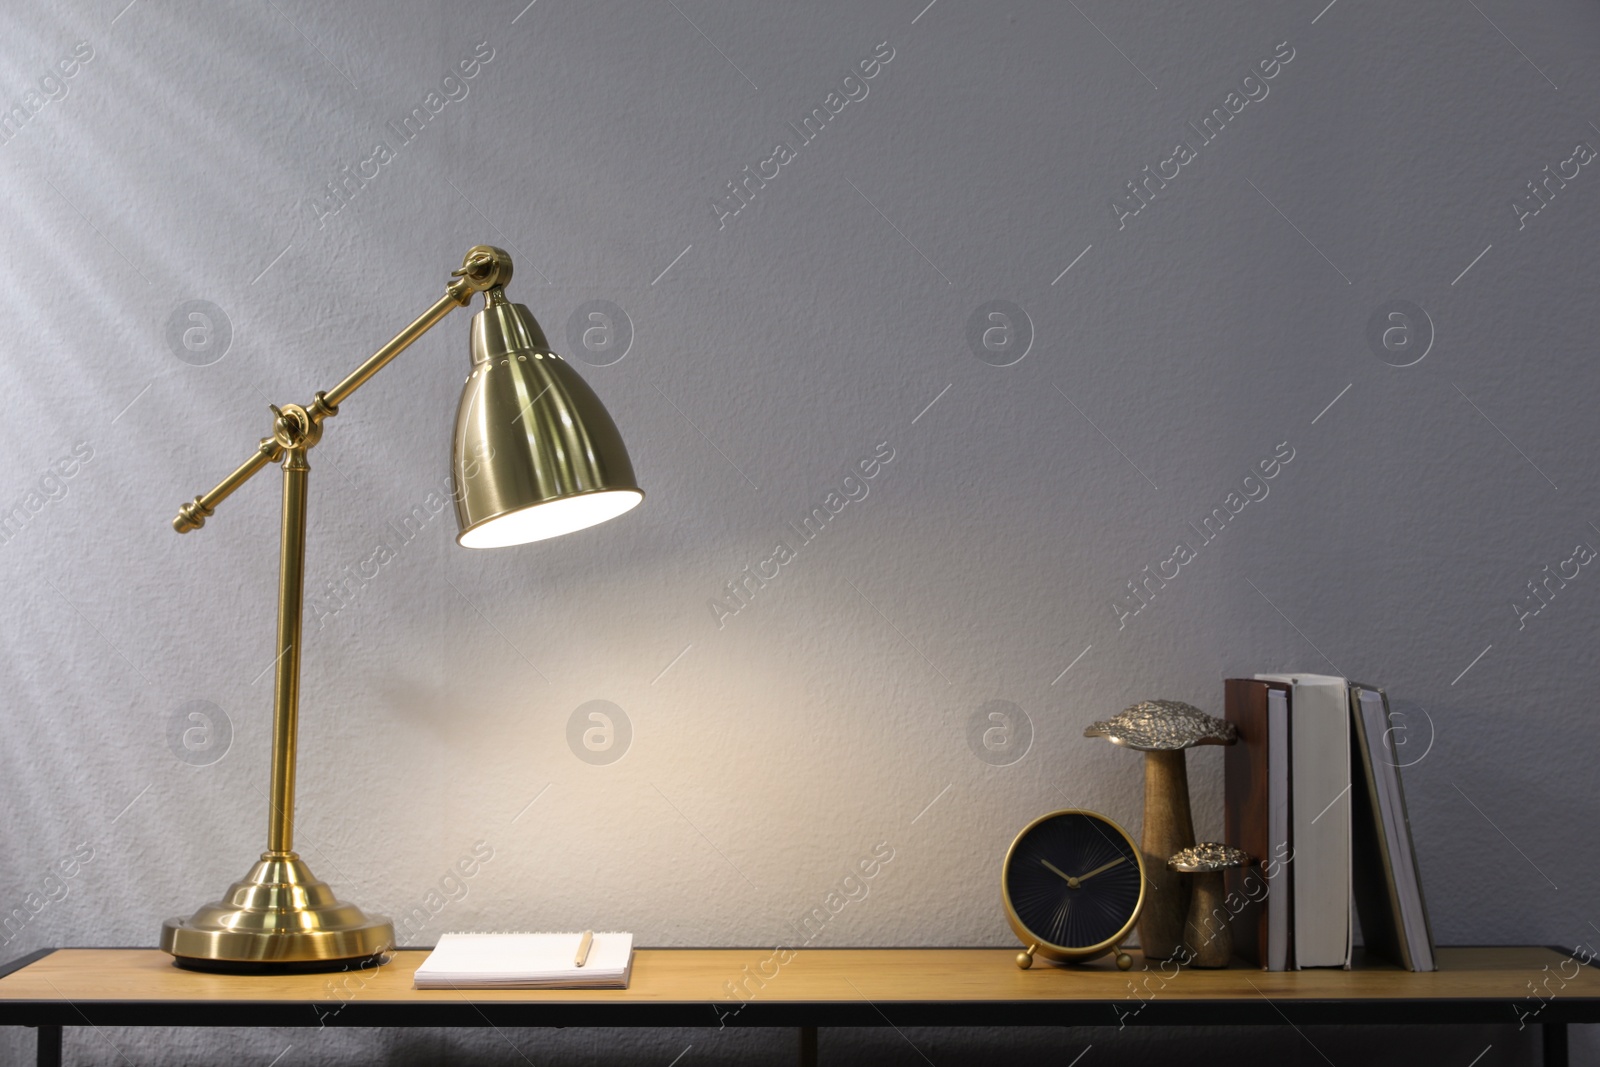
[279, 919]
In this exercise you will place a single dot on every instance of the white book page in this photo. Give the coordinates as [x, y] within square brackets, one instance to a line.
[1278, 830]
[1319, 736]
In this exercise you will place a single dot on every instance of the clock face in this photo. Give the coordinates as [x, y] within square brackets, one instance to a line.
[1073, 882]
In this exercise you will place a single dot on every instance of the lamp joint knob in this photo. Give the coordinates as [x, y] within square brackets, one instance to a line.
[294, 428]
[484, 268]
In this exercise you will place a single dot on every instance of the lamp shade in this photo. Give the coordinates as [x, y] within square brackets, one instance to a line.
[536, 454]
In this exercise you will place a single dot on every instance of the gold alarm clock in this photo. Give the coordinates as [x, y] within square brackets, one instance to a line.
[1073, 883]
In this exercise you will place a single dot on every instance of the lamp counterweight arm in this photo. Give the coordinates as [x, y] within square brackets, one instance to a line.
[193, 515]
[483, 269]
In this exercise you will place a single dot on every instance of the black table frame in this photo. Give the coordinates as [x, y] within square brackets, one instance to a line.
[50, 1016]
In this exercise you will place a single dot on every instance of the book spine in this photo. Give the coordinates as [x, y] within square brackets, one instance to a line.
[1246, 815]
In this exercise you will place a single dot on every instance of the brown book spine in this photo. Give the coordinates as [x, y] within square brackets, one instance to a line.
[1244, 768]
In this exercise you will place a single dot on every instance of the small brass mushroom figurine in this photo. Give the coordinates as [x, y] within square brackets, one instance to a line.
[1162, 729]
[1210, 937]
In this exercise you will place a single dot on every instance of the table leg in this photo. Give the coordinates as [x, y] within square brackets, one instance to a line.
[808, 1046]
[49, 1046]
[1555, 1044]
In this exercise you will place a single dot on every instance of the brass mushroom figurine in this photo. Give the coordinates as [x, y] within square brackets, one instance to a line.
[1210, 936]
[1162, 729]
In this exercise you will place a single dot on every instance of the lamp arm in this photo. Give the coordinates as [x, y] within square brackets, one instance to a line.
[299, 428]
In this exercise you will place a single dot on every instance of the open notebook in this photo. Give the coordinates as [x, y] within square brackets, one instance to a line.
[526, 961]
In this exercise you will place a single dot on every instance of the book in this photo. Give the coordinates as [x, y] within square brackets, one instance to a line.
[526, 961]
[1320, 834]
[1258, 820]
[1385, 876]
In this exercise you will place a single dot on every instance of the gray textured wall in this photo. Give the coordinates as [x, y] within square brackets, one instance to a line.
[189, 158]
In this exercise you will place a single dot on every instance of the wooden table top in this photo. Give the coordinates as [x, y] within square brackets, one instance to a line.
[829, 986]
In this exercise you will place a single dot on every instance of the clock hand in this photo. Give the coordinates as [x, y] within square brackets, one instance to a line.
[1072, 883]
[1102, 868]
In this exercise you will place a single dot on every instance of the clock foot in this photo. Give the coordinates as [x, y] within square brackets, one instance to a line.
[1025, 958]
[1124, 961]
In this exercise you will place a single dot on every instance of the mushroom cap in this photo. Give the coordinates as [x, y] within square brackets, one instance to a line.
[1164, 725]
[1208, 856]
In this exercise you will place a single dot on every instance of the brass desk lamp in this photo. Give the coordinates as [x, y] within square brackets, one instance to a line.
[535, 456]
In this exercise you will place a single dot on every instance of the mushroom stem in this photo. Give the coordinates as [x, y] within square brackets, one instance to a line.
[1209, 934]
[1168, 828]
